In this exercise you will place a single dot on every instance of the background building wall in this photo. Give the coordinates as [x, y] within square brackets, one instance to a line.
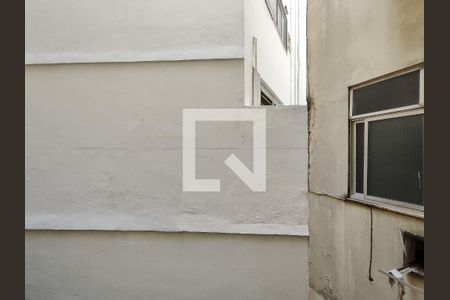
[106, 83]
[61, 31]
[274, 62]
[350, 42]
[104, 151]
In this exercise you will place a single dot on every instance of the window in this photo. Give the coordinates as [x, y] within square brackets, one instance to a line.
[414, 251]
[268, 97]
[387, 121]
[278, 13]
[272, 5]
[265, 100]
[412, 273]
[400, 91]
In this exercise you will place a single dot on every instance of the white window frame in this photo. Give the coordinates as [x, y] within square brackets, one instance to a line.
[387, 111]
[264, 88]
[410, 110]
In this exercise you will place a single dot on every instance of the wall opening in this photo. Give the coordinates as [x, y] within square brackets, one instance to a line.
[414, 251]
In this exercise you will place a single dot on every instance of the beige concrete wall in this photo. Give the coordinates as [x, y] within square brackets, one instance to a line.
[340, 250]
[124, 265]
[350, 42]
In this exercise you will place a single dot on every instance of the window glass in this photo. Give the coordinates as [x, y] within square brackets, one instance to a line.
[279, 19]
[395, 159]
[284, 35]
[272, 7]
[359, 158]
[388, 94]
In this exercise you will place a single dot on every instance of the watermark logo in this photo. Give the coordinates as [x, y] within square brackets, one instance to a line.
[255, 180]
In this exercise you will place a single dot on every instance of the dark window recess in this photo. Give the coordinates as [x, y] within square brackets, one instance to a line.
[414, 247]
[388, 94]
[265, 100]
[284, 32]
[359, 158]
[395, 159]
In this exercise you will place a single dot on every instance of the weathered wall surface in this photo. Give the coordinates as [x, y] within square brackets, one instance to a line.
[106, 217]
[61, 31]
[104, 151]
[340, 250]
[350, 42]
[274, 61]
[160, 266]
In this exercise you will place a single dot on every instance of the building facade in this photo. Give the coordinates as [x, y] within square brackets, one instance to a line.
[107, 83]
[106, 214]
[366, 108]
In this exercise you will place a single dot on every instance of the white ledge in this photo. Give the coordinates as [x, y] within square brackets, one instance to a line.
[257, 229]
[116, 57]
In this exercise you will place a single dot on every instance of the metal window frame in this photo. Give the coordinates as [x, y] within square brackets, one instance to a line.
[364, 195]
[381, 115]
[421, 103]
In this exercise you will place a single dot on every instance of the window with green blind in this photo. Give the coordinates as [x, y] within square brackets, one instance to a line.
[387, 121]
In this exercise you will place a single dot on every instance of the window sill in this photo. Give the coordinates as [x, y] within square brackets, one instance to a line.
[389, 207]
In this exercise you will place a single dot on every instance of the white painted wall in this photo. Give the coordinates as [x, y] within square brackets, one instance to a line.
[104, 151]
[74, 265]
[273, 60]
[70, 31]
[62, 31]
[105, 216]
[297, 30]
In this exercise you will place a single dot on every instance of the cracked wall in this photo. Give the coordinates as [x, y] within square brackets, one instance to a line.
[350, 42]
